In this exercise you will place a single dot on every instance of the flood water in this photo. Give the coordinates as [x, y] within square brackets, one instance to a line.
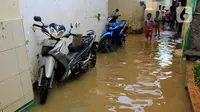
[140, 77]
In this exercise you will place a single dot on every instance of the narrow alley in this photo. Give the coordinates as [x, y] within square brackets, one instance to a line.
[140, 77]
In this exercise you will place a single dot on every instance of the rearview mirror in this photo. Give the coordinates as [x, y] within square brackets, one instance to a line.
[117, 10]
[37, 18]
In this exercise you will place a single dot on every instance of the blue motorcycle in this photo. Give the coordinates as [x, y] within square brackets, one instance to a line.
[114, 35]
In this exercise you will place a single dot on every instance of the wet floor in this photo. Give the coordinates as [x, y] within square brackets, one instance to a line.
[140, 77]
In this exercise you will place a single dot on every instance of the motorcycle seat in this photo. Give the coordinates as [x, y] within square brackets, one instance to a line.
[75, 48]
[122, 23]
[85, 42]
[87, 39]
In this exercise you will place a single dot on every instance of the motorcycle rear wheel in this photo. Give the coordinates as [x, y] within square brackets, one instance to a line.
[122, 41]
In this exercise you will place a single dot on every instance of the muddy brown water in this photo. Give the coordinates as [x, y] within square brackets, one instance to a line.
[140, 77]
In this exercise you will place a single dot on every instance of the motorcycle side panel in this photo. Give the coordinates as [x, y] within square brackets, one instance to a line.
[56, 48]
[49, 66]
[84, 53]
[61, 58]
[107, 33]
[117, 26]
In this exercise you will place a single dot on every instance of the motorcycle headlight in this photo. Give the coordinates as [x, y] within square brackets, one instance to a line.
[60, 34]
[56, 34]
[53, 32]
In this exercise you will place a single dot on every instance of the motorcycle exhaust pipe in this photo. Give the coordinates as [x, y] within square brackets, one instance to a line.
[41, 76]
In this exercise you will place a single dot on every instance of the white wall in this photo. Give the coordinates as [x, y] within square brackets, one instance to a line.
[166, 3]
[161, 2]
[61, 12]
[130, 10]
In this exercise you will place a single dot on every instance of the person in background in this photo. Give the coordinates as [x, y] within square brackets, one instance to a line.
[148, 26]
[174, 7]
[172, 17]
[160, 6]
[167, 15]
[163, 19]
[157, 22]
[160, 11]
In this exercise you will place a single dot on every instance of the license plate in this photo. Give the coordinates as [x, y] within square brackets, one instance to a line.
[49, 42]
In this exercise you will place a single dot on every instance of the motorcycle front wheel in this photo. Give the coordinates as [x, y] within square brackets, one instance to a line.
[44, 90]
[104, 44]
[93, 58]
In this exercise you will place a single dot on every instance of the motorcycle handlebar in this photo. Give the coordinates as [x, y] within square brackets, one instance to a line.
[114, 16]
[73, 34]
[36, 25]
[70, 34]
[43, 28]
[67, 35]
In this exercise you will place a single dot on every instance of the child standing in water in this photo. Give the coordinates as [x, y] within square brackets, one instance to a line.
[148, 26]
[157, 21]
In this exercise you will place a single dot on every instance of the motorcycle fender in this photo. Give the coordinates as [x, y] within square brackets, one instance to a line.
[107, 33]
[49, 66]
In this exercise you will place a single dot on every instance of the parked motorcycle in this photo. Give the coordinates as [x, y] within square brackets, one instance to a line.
[114, 35]
[60, 65]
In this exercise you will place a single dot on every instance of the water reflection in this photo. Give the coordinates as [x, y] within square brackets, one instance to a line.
[147, 88]
[164, 53]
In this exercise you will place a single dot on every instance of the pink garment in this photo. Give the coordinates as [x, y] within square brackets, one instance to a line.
[168, 12]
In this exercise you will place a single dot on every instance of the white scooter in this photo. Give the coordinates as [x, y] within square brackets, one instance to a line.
[59, 65]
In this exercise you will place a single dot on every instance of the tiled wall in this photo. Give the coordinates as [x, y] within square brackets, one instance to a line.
[9, 9]
[15, 81]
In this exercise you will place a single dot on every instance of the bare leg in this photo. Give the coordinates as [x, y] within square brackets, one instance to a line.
[146, 35]
[158, 30]
[150, 35]
[155, 31]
